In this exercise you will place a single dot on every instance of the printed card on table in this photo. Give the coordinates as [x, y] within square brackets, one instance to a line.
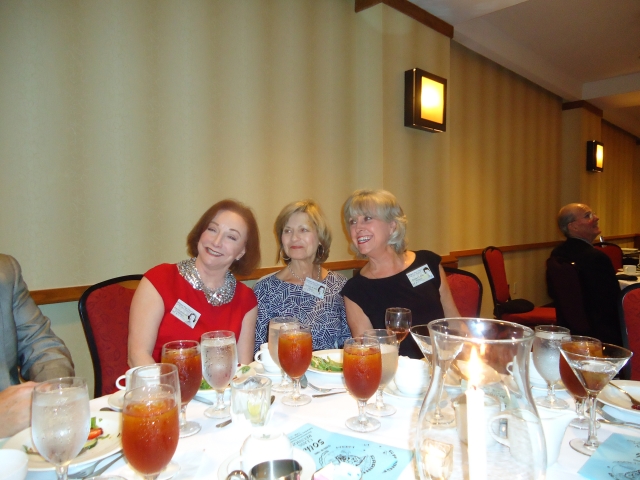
[376, 461]
[617, 458]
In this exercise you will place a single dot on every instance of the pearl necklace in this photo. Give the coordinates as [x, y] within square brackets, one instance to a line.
[297, 277]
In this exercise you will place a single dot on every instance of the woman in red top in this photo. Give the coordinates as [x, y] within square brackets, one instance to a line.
[184, 300]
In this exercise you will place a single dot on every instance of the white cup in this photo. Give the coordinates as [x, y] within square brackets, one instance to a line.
[264, 358]
[412, 376]
[554, 425]
[263, 445]
[126, 377]
[517, 438]
[629, 269]
[491, 408]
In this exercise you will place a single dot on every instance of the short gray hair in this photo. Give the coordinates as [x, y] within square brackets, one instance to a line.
[382, 205]
[567, 215]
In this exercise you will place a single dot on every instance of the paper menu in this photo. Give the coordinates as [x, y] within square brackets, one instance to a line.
[617, 458]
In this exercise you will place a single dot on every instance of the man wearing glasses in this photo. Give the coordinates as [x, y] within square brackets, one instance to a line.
[600, 288]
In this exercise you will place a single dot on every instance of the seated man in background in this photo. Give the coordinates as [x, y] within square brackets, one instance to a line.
[28, 349]
[600, 288]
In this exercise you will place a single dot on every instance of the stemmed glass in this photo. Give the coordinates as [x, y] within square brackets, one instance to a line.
[285, 385]
[594, 370]
[398, 321]
[155, 374]
[584, 346]
[219, 364]
[362, 370]
[60, 420]
[150, 428]
[185, 354]
[389, 352]
[294, 353]
[546, 358]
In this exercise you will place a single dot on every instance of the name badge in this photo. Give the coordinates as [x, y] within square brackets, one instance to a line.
[420, 275]
[185, 313]
[313, 287]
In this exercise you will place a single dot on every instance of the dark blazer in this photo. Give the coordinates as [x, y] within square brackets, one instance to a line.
[600, 287]
[26, 339]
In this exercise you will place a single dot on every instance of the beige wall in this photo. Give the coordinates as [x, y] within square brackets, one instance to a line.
[122, 121]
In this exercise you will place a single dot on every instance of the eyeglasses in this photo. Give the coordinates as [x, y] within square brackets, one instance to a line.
[589, 216]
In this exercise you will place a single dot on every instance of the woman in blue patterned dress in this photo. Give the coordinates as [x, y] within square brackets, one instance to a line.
[303, 289]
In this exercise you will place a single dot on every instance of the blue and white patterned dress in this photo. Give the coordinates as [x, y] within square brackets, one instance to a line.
[327, 316]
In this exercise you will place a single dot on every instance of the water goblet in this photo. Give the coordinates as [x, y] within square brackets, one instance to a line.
[362, 370]
[285, 385]
[594, 370]
[398, 321]
[546, 358]
[60, 420]
[585, 346]
[150, 428]
[219, 364]
[185, 354]
[294, 354]
[389, 352]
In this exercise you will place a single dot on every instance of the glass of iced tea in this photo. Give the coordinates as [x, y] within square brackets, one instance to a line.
[389, 352]
[294, 354]
[150, 428]
[594, 371]
[398, 321]
[362, 370]
[185, 354]
[586, 346]
[219, 364]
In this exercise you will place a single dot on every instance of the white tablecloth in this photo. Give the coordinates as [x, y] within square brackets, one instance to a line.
[201, 455]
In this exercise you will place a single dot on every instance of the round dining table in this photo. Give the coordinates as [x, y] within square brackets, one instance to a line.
[201, 456]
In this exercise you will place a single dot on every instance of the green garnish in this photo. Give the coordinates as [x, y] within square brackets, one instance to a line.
[204, 385]
[326, 365]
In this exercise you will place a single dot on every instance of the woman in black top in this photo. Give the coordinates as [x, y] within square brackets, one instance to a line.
[393, 276]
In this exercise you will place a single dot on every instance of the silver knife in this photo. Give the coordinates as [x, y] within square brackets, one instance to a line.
[203, 400]
[327, 394]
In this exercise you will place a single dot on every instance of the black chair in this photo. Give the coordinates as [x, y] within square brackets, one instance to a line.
[466, 289]
[613, 251]
[104, 312]
[564, 285]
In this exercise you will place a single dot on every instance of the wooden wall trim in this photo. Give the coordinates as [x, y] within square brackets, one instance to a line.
[410, 10]
[582, 104]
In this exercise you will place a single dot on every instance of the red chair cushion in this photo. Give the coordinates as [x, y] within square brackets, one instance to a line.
[465, 292]
[537, 316]
[631, 309]
[614, 253]
[108, 310]
[495, 261]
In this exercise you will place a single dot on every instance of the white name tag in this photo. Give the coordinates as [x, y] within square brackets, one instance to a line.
[313, 287]
[420, 275]
[185, 313]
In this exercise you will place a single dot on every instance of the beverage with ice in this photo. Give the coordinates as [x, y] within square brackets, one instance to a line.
[219, 364]
[389, 345]
[546, 358]
[274, 335]
[362, 370]
[294, 353]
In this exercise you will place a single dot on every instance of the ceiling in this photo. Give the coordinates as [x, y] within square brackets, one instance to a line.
[578, 49]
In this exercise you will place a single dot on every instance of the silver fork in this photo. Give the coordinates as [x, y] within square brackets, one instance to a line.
[607, 418]
[323, 390]
[91, 469]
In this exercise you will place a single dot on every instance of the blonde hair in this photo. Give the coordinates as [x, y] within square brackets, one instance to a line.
[313, 211]
[382, 205]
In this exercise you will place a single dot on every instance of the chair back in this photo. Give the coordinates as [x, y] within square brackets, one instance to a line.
[104, 312]
[494, 265]
[466, 289]
[566, 290]
[629, 313]
[613, 251]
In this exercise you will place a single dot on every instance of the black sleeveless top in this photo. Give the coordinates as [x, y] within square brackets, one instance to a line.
[374, 296]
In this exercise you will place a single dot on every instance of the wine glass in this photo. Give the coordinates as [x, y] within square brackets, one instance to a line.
[285, 385]
[185, 354]
[155, 374]
[60, 420]
[398, 321]
[294, 354]
[594, 370]
[362, 370]
[219, 364]
[546, 358]
[389, 352]
[150, 428]
[585, 346]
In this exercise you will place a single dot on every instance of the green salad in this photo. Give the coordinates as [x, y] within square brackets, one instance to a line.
[326, 364]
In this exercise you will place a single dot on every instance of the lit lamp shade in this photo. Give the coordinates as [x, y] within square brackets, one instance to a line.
[595, 156]
[425, 98]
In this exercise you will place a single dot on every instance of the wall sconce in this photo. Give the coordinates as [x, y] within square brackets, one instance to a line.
[425, 101]
[595, 156]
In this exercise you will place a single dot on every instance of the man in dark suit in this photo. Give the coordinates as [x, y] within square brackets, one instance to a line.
[600, 288]
[29, 350]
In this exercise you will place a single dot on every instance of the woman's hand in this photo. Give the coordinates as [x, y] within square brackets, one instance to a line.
[247, 338]
[145, 316]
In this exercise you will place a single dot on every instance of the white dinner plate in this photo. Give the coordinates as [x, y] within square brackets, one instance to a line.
[636, 273]
[243, 371]
[615, 398]
[334, 354]
[108, 421]
[259, 369]
[629, 250]
[305, 460]
[392, 389]
[116, 400]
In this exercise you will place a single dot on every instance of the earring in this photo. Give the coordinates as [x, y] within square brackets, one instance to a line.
[284, 255]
